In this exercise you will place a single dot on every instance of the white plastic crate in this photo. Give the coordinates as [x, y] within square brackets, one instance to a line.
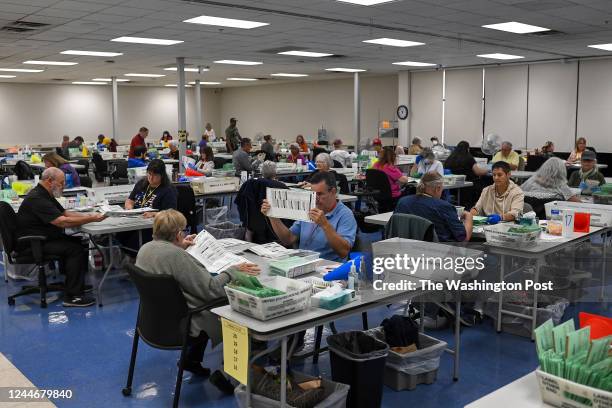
[556, 392]
[204, 185]
[499, 235]
[296, 298]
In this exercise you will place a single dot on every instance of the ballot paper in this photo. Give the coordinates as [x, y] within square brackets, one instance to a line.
[213, 255]
[117, 211]
[272, 250]
[290, 204]
[234, 245]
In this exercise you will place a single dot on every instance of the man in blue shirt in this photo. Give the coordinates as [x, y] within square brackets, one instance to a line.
[427, 204]
[333, 227]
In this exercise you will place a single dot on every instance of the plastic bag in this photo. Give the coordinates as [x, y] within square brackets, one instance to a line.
[216, 215]
[225, 230]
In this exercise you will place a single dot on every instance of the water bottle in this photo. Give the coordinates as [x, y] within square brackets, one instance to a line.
[353, 279]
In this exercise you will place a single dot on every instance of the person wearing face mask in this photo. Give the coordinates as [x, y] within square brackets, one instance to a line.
[427, 164]
[502, 201]
[41, 214]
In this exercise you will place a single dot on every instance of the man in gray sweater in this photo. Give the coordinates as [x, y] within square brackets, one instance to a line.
[242, 157]
[166, 255]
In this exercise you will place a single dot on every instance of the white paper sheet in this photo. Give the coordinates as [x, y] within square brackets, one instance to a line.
[210, 253]
[290, 204]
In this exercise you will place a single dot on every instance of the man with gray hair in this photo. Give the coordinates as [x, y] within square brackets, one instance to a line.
[426, 203]
[41, 214]
[506, 154]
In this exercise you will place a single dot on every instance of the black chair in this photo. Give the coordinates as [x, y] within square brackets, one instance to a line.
[535, 162]
[86, 181]
[85, 164]
[337, 165]
[186, 205]
[316, 151]
[538, 205]
[341, 182]
[164, 320]
[120, 174]
[32, 255]
[101, 167]
[219, 162]
[377, 181]
[23, 171]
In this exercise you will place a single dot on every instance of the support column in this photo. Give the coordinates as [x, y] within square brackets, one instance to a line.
[182, 112]
[403, 98]
[198, 103]
[115, 109]
[357, 112]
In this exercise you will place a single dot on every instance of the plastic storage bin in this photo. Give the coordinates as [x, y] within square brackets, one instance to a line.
[499, 235]
[406, 371]
[296, 298]
[226, 230]
[335, 395]
[557, 392]
[358, 360]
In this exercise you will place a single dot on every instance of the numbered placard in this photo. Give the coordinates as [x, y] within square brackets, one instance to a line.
[235, 350]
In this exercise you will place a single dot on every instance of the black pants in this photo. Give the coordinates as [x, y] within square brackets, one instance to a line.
[196, 347]
[73, 262]
[130, 240]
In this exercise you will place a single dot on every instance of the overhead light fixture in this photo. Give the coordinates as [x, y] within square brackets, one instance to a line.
[110, 80]
[132, 74]
[206, 83]
[8, 76]
[144, 40]
[306, 54]
[92, 53]
[88, 83]
[175, 85]
[500, 56]
[186, 69]
[415, 64]
[20, 70]
[392, 42]
[282, 74]
[64, 63]
[225, 22]
[238, 62]
[345, 70]
[605, 47]
[242, 79]
[366, 2]
[516, 27]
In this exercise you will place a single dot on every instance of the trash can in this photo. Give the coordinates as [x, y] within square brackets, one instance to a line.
[226, 230]
[358, 360]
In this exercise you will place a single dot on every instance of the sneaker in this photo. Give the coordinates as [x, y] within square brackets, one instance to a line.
[79, 301]
[87, 288]
[221, 382]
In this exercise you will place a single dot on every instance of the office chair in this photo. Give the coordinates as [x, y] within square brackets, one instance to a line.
[163, 321]
[377, 182]
[101, 167]
[186, 205]
[31, 255]
[120, 175]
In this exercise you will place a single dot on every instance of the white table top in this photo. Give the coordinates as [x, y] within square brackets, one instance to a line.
[379, 219]
[117, 224]
[523, 393]
[226, 156]
[521, 174]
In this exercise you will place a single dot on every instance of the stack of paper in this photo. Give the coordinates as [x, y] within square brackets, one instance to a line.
[117, 211]
[292, 267]
[272, 250]
[234, 245]
[290, 204]
[210, 253]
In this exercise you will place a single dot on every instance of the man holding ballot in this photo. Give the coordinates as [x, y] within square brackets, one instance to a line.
[333, 227]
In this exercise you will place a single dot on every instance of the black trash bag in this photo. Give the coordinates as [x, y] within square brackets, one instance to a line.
[401, 331]
[357, 345]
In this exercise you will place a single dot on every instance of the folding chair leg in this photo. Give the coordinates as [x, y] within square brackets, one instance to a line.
[42, 282]
[364, 320]
[179, 376]
[332, 327]
[317, 347]
[128, 387]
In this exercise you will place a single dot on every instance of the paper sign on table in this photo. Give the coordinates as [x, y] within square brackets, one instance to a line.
[235, 350]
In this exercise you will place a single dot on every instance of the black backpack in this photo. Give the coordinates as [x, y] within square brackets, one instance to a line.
[23, 171]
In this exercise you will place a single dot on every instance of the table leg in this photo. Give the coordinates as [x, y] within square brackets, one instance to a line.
[204, 210]
[501, 294]
[139, 238]
[107, 270]
[459, 196]
[457, 334]
[604, 251]
[421, 316]
[534, 315]
[283, 390]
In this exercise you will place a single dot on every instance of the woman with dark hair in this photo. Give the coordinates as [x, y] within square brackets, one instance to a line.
[166, 137]
[461, 161]
[386, 164]
[55, 160]
[206, 164]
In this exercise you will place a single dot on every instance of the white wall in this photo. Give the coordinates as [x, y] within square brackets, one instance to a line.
[426, 105]
[286, 110]
[41, 114]
[463, 111]
[595, 104]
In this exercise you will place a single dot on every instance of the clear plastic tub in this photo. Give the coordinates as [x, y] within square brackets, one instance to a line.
[562, 393]
[500, 235]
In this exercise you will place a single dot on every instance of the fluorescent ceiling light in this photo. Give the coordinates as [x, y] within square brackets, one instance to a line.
[306, 54]
[500, 56]
[225, 22]
[131, 74]
[205, 83]
[33, 62]
[20, 70]
[517, 28]
[186, 69]
[175, 85]
[241, 79]
[366, 2]
[345, 69]
[605, 47]
[415, 64]
[92, 53]
[8, 76]
[392, 42]
[237, 62]
[88, 83]
[282, 74]
[143, 40]
[110, 79]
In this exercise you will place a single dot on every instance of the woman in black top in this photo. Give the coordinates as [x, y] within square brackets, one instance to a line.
[157, 192]
[461, 161]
